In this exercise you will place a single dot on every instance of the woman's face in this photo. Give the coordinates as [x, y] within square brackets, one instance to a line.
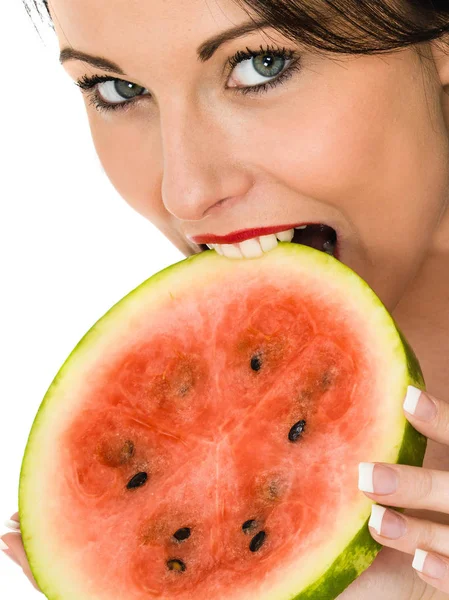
[357, 143]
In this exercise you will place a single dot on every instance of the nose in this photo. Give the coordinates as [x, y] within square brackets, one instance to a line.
[200, 162]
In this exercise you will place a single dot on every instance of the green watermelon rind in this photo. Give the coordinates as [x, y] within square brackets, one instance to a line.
[363, 549]
[358, 554]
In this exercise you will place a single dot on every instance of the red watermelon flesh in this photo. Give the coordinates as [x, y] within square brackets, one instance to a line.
[205, 444]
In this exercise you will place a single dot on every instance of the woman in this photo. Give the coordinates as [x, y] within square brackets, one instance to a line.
[242, 114]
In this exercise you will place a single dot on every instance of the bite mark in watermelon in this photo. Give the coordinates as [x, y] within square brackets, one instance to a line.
[202, 440]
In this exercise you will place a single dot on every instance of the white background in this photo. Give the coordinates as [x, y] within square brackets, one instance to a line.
[70, 246]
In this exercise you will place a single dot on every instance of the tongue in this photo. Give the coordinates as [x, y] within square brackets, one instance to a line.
[320, 237]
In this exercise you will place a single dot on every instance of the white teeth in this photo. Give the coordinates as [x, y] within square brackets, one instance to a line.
[268, 242]
[285, 236]
[251, 248]
[254, 247]
[231, 251]
[217, 248]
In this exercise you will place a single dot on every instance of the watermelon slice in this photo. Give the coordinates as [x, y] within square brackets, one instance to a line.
[202, 440]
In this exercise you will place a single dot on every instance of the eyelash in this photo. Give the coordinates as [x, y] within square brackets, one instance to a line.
[88, 84]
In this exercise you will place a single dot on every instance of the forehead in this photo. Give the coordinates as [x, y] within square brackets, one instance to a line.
[124, 26]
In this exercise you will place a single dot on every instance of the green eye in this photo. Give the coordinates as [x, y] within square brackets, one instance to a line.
[268, 65]
[251, 70]
[118, 90]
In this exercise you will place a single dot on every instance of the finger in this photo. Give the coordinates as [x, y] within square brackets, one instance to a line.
[7, 550]
[427, 414]
[405, 533]
[432, 568]
[16, 552]
[405, 486]
[409, 534]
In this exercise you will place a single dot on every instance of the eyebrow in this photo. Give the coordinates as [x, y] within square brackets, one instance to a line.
[205, 51]
[210, 46]
[97, 61]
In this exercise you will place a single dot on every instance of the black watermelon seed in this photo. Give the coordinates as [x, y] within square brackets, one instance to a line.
[257, 541]
[296, 431]
[137, 481]
[249, 525]
[175, 564]
[182, 534]
[256, 363]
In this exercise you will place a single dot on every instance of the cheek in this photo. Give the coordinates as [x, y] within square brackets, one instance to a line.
[365, 143]
[336, 148]
[131, 157]
[372, 151]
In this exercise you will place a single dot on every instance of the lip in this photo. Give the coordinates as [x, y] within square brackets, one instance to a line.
[244, 234]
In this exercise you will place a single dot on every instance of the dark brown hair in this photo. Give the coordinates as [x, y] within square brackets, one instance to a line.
[343, 26]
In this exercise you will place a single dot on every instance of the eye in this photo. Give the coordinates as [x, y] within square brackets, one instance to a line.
[252, 69]
[107, 93]
[251, 72]
[116, 90]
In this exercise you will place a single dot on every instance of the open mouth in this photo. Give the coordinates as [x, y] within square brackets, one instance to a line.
[318, 236]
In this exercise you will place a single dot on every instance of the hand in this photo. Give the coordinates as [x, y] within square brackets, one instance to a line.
[415, 488]
[15, 550]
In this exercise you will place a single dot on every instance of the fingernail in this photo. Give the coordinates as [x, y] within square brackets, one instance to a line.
[3, 546]
[419, 404]
[10, 524]
[429, 564]
[377, 479]
[387, 523]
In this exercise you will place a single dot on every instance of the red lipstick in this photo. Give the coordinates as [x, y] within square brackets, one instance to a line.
[240, 236]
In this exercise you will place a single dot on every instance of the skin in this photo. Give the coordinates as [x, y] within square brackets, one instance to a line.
[358, 143]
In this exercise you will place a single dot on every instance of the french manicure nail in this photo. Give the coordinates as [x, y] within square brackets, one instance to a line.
[10, 524]
[429, 564]
[387, 523]
[377, 479]
[419, 404]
